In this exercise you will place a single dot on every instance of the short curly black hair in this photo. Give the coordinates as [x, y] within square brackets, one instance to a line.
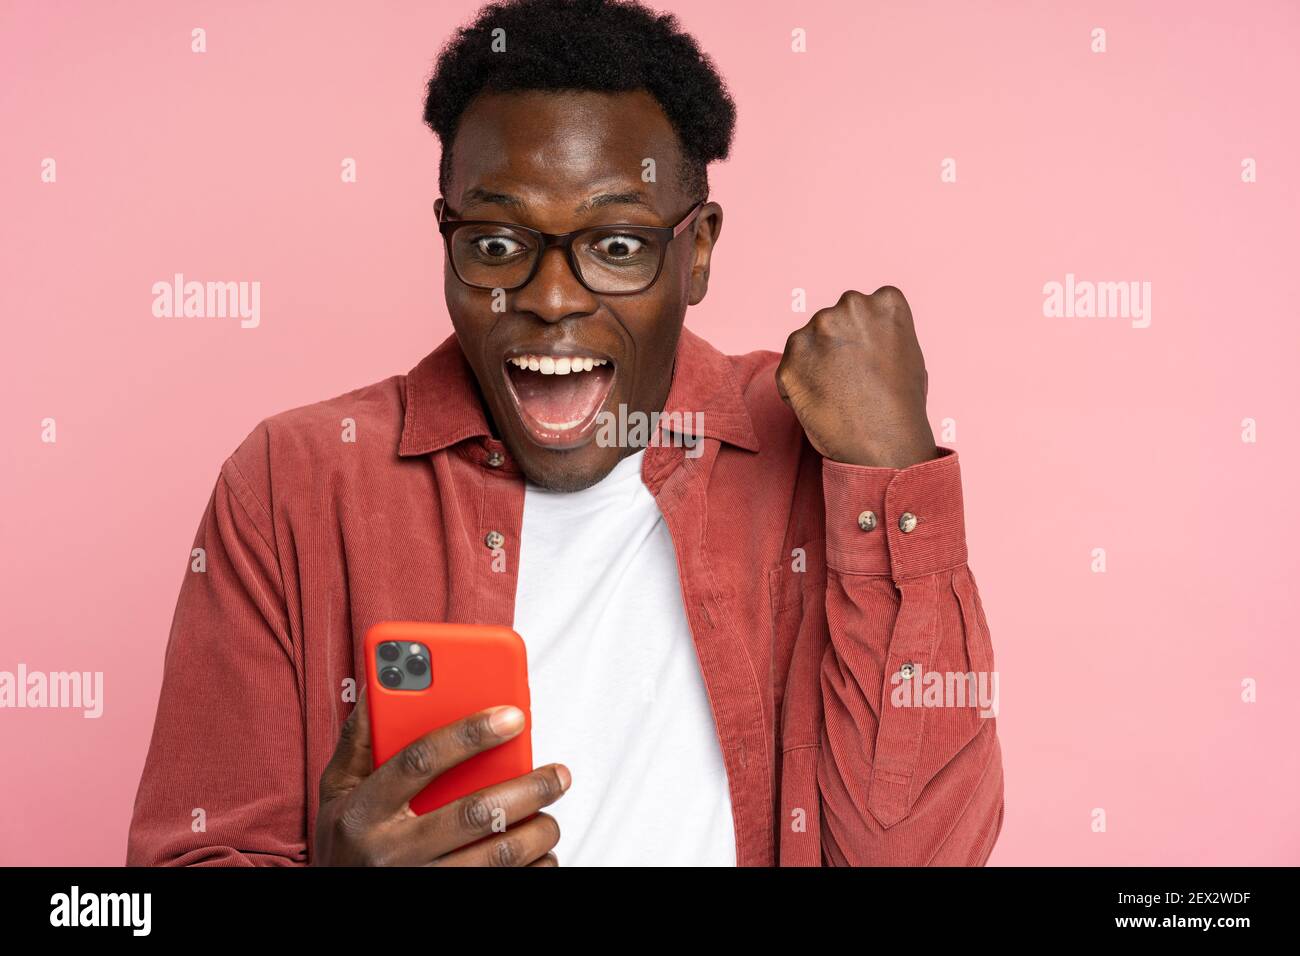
[610, 46]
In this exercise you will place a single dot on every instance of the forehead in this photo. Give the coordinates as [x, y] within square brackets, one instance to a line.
[545, 146]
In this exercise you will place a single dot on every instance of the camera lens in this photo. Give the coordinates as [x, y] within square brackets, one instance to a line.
[389, 651]
[391, 677]
[417, 666]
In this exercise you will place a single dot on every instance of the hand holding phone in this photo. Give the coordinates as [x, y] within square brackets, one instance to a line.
[423, 675]
[365, 818]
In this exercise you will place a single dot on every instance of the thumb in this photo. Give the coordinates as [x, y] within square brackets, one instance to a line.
[352, 760]
[780, 386]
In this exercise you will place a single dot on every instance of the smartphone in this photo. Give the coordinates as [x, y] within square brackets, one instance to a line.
[422, 676]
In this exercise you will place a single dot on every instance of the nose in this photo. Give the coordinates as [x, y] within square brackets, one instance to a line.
[555, 294]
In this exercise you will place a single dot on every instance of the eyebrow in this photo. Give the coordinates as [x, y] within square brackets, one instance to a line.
[478, 195]
[612, 199]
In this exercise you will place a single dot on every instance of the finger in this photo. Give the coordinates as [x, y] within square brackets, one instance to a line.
[549, 860]
[388, 790]
[780, 386]
[352, 760]
[794, 342]
[891, 301]
[521, 845]
[796, 347]
[485, 812]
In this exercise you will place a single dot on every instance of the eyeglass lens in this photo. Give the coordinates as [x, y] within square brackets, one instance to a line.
[609, 258]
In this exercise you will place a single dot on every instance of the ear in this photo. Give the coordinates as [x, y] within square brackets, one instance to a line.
[438, 205]
[706, 229]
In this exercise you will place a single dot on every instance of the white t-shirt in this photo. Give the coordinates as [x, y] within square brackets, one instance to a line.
[617, 693]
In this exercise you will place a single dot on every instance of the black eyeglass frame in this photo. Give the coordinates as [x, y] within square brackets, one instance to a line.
[564, 240]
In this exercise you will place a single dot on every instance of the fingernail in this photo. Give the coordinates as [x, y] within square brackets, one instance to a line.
[562, 772]
[506, 721]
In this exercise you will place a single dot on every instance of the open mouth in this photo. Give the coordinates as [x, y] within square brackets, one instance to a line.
[559, 395]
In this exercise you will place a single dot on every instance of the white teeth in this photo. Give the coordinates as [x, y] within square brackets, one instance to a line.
[556, 365]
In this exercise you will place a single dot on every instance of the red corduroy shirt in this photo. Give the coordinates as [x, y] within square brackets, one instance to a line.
[804, 622]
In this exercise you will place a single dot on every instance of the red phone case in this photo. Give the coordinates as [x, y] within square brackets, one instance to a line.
[472, 666]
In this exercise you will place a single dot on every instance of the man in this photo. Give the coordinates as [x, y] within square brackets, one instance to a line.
[717, 624]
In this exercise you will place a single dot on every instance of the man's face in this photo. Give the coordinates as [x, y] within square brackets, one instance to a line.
[559, 162]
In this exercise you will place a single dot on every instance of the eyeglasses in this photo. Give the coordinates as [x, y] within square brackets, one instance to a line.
[618, 259]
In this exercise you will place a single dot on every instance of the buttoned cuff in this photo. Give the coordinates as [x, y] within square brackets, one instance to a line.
[901, 522]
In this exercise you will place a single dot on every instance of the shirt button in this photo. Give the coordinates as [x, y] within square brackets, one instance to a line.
[907, 671]
[494, 539]
[906, 522]
[495, 459]
[867, 520]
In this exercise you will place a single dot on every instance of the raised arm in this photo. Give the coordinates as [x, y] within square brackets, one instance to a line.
[909, 769]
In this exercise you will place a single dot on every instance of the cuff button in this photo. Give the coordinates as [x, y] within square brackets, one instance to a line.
[867, 520]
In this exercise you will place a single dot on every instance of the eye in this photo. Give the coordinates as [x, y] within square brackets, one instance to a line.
[498, 247]
[619, 246]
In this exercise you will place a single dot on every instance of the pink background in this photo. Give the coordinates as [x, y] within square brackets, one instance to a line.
[1119, 691]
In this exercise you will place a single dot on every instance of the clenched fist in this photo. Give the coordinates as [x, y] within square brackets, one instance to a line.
[855, 377]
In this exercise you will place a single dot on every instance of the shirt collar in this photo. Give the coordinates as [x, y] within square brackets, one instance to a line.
[443, 405]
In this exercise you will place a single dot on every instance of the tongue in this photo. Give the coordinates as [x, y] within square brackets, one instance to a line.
[560, 399]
